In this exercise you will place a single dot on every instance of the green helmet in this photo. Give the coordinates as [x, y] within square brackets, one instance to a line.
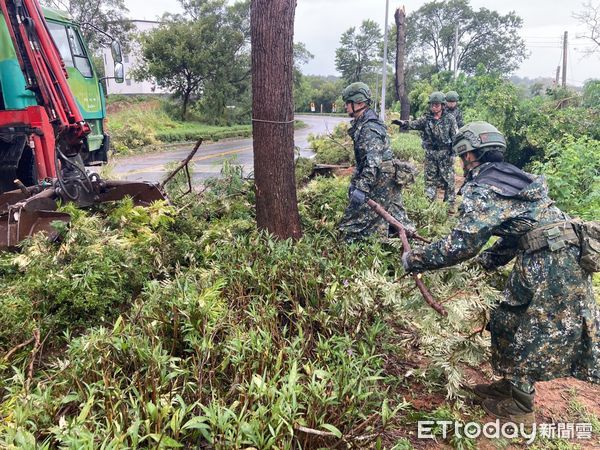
[452, 96]
[477, 135]
[356, 93]
[437, 97]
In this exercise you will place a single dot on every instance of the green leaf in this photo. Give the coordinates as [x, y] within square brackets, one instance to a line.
[165, 441]
[334, 430]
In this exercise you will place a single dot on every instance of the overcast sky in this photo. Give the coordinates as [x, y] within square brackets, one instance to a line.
[320, 24]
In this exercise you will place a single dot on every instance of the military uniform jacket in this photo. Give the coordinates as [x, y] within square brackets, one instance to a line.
[371, 149]
[548, 324]
[457, 113]
[437, 133]
[376, 175]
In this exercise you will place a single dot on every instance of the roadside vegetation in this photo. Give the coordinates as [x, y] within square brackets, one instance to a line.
[182, 325]
[143, 123]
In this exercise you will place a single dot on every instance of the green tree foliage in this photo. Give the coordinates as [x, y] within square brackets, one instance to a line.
[302, 90]
[529, 124]
[321, 90]
[484, 36]
[591, 94]
[109, 16]
[356, 58]
[572, 168]
[301, 57]
[203, 55]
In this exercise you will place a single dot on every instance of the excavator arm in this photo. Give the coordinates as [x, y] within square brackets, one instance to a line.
[55, 132]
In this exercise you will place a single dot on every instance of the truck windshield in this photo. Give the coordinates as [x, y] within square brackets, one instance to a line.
[71, 50]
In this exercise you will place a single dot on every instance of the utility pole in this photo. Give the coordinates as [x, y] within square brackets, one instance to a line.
[456, 52]
[557, 76]
[384, 75]
[564, 69]
[376, 91]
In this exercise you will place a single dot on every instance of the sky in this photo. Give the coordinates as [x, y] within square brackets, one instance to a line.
[319, 25]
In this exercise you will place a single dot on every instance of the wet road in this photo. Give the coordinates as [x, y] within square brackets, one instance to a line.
[209, 158]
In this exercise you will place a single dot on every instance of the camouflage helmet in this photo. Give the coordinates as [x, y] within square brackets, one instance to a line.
[451, 96]
[476, 136]
[356, 93]
[437, 97]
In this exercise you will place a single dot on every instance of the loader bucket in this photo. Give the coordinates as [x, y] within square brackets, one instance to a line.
[142, 193]
[33, 209]
[21, 223]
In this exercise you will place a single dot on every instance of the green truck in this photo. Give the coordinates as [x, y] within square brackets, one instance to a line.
[82, 79]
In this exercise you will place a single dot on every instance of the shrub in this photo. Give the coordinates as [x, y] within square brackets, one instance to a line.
[572, 169]
[333, 148]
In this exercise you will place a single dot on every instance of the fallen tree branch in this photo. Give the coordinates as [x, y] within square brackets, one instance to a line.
[17, 347]
[315, 432]
[36, 346]
[380, 210]
[183, 164]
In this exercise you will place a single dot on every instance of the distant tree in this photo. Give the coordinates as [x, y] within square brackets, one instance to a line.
[591, 94]
[356, 58]
[272, 31]
[107, 15]
[484, 36]
[202, 55]
[590, 18]
[175, 57]
[301, 57]
[536, 89]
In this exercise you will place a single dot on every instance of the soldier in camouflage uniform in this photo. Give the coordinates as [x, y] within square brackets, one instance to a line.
[377, 175]
[548, 324]
[452, 107]
[438, 128]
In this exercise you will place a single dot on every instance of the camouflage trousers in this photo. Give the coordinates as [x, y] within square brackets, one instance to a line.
[548, 325]
[439, 172]
[360, 222]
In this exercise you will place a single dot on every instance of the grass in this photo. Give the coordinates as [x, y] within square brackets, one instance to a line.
[142, 124]
[164, 329]
[182, 325]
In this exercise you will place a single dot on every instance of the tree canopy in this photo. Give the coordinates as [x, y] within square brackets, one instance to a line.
[203, 55]
[109, 16]
[356, 58]
[484, 36]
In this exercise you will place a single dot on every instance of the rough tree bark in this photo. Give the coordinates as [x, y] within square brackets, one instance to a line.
[272, 32]
[401, 95]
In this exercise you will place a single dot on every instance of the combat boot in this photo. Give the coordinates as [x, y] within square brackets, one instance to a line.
[498, 390]
[518, 408]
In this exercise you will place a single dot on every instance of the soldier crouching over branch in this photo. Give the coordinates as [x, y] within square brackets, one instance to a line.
[377, 175]
[548, 324]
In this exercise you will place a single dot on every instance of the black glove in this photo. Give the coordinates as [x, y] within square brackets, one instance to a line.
[401, 123]
[357, 198]
[351, 190]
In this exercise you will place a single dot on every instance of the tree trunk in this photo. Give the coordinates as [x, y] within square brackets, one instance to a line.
[185, 100]
[272, 32]
[401, 95]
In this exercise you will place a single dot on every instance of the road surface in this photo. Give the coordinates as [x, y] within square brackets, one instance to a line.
[209, 158]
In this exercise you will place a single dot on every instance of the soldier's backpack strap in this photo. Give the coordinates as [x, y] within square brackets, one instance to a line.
[554, 236]
[589, 241]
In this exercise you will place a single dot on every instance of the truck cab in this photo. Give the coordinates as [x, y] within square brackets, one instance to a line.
[83, 81]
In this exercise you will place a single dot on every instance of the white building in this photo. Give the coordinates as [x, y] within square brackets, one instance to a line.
[130, 60]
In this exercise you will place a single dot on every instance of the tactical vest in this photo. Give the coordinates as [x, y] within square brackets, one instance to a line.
[553, 237]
